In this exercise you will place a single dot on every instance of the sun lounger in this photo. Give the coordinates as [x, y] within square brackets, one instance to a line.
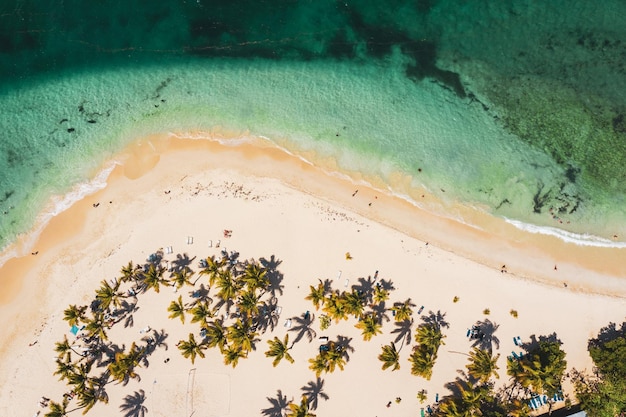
[217, 244]
[437, 397]
[339, 274]
[189, 240]
[169, 250]
[422, 412]
[420, 310]
[345, 284]
[515, 355]
[210, 243]
[144, 330]
[324, 338]
[469, 331]
[287, 323]
[278, 310]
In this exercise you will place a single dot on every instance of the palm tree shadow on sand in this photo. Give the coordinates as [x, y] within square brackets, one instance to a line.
[303, 327]
[133, 404]
[279, 405]
[314, 390]
[343, 343]
[181, 262]
[274, 276]
[438, 319]
[403, 329]
[486, 338]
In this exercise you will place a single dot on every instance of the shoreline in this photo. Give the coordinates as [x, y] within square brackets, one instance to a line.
[593, 269]
[166, 189]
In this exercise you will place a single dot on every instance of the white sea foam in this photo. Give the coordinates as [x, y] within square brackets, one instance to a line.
[564, 235]
[57, 205]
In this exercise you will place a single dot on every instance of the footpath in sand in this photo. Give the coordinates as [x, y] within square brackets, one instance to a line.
[173, 191]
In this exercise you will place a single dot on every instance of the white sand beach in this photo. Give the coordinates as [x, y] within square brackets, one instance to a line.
[169, 190]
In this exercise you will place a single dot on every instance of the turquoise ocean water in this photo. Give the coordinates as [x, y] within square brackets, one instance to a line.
[517, 107]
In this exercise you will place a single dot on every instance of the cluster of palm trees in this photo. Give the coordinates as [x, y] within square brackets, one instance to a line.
[428, 337]
[541, 369]
[331, 356]
[538, 371]
[244, 306]
[97, 362]
[365, 302]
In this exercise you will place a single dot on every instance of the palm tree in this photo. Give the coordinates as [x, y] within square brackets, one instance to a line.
[380, 294]
[64, 369]
[370, 326]
[318, 364]
[108, 294]
[216, 334]
[430, 336]
[317, 294]
[89, 396]
[74, 315]
[153, 277]
[241, 336]
[228, 286]
[248, 303]
[279, 350]
[232, 355]
[354, 303]
[201, 312]
[190, 348]
[335, 307]
[390, 357]
[482, 365]
[300, 410]
[177, 309]
[403, 311]
[58, 409]
[255, 277]
[64, 348]
[79, 377]
[335, 357]
[123, 366]
[181, 277]
[96, 326]
[422, 362]
[128, 272]
[212, 268]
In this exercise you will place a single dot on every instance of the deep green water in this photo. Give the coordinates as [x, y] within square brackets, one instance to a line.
[518, 107]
